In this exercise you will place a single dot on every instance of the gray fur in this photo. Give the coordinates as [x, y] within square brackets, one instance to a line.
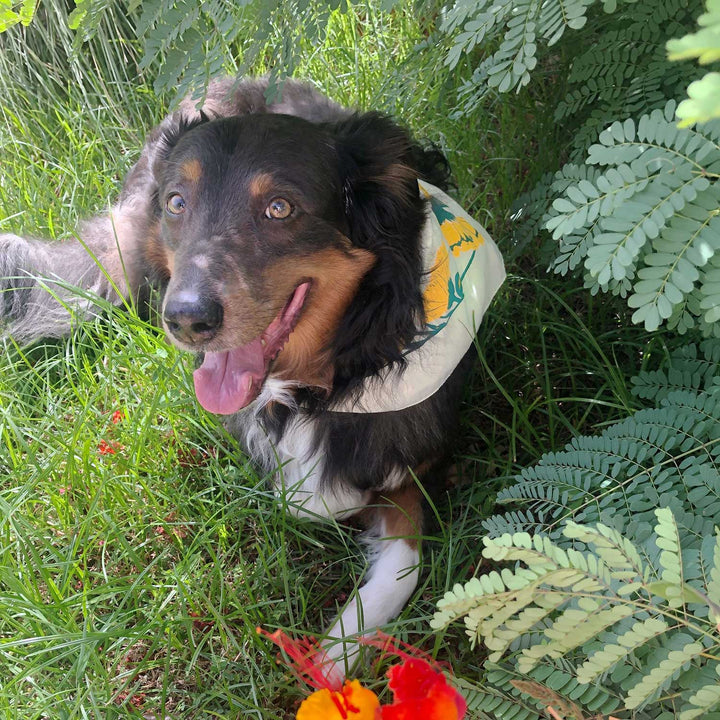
[45, 286]
[37, 278]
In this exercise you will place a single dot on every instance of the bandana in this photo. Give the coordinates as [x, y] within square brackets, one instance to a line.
[463, 271]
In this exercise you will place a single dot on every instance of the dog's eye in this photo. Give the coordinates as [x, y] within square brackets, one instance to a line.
[278, 209]
[175, 204]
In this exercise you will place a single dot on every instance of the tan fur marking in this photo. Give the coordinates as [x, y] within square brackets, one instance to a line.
[261, 184]
[160, 256]
[191, 170]
[336, 275]
[402, 516]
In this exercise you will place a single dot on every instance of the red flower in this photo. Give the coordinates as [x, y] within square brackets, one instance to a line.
[106, 448]
[421, 691]
[419, 686]
[118, 416]
[307, 660]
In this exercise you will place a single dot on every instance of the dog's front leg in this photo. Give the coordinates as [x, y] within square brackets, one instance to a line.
[392, 577]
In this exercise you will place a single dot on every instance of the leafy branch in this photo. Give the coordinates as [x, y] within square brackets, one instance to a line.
[607, 587]
[703, 103]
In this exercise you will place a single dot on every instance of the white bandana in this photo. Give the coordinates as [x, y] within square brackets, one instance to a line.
[464, 270]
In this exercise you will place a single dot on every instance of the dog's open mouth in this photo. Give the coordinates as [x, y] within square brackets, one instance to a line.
[228, 381]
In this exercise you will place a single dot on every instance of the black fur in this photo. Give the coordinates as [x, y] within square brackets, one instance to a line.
[362, 449]
[387, 312]
[352, 179]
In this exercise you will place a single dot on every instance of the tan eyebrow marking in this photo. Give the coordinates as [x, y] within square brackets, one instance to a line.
[191, 170]
[261, 184]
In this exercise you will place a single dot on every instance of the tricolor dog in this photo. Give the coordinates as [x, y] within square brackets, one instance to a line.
[330, 288]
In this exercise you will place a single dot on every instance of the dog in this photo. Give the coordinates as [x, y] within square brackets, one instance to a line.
[288, 245]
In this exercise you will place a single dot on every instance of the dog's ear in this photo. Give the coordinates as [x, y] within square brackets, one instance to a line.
[385, 215]
[376, 166]
[180, 125]
[160, 144]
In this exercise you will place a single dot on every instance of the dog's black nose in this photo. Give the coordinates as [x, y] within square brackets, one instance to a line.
[193, 319]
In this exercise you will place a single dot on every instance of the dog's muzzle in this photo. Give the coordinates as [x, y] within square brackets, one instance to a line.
[192, 319]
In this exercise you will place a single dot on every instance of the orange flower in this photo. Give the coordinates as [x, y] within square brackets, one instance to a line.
[353, 702]
[419, 686]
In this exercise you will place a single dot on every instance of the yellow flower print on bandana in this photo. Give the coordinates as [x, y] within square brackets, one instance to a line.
[463, 271]
[436, 293]
[458, 235]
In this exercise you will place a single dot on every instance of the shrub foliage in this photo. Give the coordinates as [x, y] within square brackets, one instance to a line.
[609, 594]
[184, 43]
[637, 209]
[12, 13]
[642, 214]
[704, 101]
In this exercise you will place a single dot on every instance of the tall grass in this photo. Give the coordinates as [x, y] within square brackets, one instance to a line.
[138, 547]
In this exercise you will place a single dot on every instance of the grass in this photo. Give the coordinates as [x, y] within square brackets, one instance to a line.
[138, 556]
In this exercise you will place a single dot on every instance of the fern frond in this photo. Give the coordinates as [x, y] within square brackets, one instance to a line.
[628, 642]
[615, 550]
[574, 627]
[703, 101]
[522, 23]
[670, 557]
[624, 598]
[703, 44]
[10, 16]
[713, 582]
[486, 702]
[458, 601]
[674, 267]
[680, 651]
[688, 371]
[703, 700]
[655, 209]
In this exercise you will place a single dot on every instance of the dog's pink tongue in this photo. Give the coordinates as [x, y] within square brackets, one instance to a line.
[228, 381]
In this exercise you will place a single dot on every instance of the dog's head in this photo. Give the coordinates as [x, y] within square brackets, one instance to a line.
[289, 249]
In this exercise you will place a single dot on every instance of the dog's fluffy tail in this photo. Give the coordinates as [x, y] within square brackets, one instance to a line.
[46, 288]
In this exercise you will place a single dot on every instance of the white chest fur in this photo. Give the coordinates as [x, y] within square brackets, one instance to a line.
[304, 487]
[297, 460]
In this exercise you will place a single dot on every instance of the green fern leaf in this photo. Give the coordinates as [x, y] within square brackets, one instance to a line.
[703, 101]
[461, 599]
[650, 222]
[616, 551]
[624, 595]
[659, 676]
[671, 270]
[713, 586]
[702, 701]
[500, 637]
[704, 44]
[670, 558]
[604, 659]
[574, 627]
[486, 702]
[10, 17]
[521, 23]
